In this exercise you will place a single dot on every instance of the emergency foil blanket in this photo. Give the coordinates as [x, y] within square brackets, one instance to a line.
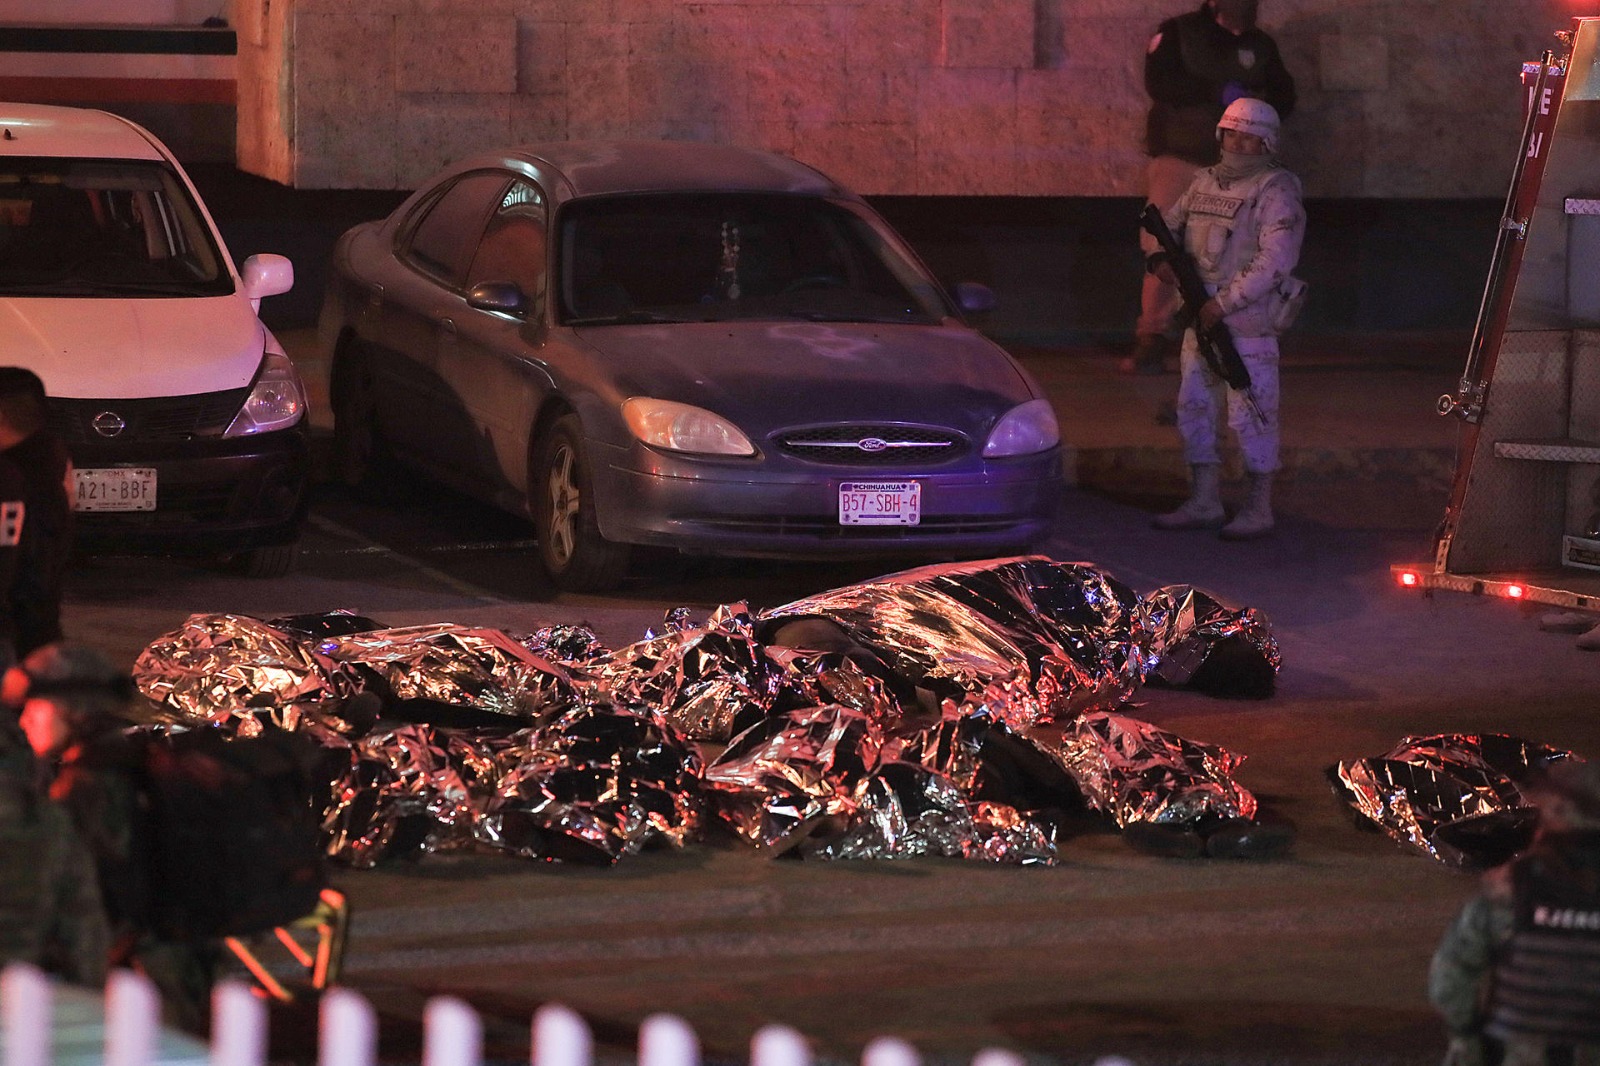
[1458, 797]
[903, 731]
[827, 781]
[482, 668]
[1199, 642]
[700, 678]
[1056, 638]
[592, 785]
[1134, 772]
[218, 666]
[222, 669]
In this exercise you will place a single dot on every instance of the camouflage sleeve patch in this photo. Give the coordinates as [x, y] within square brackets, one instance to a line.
[1462, 962]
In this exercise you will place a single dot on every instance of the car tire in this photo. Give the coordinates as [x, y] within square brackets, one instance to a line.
[573, 553]
[361, 457]
[274, 560]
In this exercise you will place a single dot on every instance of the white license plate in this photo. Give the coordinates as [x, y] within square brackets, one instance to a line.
[114, 488]
[880, 503]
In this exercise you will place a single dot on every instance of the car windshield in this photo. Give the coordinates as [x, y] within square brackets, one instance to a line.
[718, 257]
[81, 227]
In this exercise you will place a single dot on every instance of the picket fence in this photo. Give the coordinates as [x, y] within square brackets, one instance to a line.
[31, 1032]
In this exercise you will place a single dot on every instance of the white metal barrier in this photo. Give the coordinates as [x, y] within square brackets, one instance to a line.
[34, 1033]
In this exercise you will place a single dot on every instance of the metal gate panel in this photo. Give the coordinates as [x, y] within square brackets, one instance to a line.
[1514, 511]
[1583, 478]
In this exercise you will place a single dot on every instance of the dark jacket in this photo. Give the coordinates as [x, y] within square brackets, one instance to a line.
[35, 588]
[13, 522]
[1194, 69]
[99, 782]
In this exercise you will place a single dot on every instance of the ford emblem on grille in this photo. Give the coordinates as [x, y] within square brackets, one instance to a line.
[108, 423]
[872, 444]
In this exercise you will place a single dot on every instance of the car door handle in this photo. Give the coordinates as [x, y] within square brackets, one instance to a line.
[375, 296]
[447, 325]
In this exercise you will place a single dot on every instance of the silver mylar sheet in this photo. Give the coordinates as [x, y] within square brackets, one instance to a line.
[906, 811]
[397, 780]
[901, 811]
[568, 644]
[216, 667]
[1062, 638]
[1185, 623]
[591, 785]
[917, 735]
[1456, 797]
[1136, 772]
[594, 785]
[849, 680]
[482, 668]
[778, 779]
[952, 747]
[700, 678]
[829, 781]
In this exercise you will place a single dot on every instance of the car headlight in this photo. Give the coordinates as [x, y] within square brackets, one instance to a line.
[1023, 430]
[277, 401]
[679, 427]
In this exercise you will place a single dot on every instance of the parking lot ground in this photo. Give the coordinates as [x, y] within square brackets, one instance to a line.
[1317, 958]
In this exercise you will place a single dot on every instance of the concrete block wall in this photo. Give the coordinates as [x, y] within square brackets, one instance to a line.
[1399, 98]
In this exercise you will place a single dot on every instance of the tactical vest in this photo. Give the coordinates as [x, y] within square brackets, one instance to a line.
[1547, 980]
[1222, 230]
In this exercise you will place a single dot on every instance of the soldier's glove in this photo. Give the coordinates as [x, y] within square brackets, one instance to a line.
[1465, 1051]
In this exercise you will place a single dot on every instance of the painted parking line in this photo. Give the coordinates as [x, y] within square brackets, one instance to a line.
[415, 565]
[431, 549]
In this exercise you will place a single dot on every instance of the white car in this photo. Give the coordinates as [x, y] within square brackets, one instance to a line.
[185, 419]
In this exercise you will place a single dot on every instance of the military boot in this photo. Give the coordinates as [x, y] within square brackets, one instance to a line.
[1203, 508]
[1255, 517]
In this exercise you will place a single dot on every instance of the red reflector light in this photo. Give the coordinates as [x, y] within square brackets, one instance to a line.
[1515, 591]
[1409, 578]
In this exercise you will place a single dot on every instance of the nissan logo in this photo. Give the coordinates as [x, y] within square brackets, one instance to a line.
[108, 423]
[872, 444]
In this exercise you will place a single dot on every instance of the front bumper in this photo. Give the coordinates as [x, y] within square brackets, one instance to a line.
[212, 495]
[734, 509]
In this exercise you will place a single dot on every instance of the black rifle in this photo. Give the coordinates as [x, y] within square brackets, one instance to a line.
[1216, 342]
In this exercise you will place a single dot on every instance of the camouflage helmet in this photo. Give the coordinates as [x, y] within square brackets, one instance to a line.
[75, 677]
[1249, 115]
[1568, 795]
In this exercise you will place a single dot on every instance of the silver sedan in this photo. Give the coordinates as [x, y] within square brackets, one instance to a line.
[694, 346]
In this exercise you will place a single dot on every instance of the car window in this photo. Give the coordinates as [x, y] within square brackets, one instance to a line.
[440, 241]
[513, 244]
[116, 228]
[714, 256]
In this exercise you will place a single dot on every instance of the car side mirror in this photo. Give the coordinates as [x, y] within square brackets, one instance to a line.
[974, 298]
[501, 297]
[266, 275]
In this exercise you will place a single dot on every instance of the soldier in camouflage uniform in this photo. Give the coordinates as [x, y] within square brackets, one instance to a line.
[74, 717]
[1242, 221]
[72, 712]
[1521, 964]
[50, 910]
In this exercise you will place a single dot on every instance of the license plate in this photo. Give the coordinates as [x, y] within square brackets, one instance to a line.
[880, 503]
[114, 488]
